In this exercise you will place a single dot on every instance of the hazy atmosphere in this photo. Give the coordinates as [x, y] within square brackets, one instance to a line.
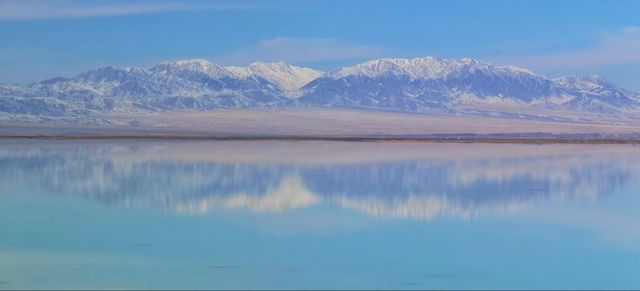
[319, 145]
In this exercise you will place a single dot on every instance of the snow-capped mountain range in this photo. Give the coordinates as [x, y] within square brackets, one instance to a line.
[287, 77]
[426, 84]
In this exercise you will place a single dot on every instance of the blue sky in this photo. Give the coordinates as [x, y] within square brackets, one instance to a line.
[41, 39]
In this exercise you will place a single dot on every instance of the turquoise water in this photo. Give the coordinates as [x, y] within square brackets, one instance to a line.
[187, 215]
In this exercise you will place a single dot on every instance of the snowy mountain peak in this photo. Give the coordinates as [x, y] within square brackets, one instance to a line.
[473, 65]
[288, 77]
[587, 82]
[421, 68]
[105, 75]
[374, 68]
[195, 66]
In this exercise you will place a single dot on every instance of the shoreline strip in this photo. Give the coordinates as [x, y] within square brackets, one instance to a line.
[452, 139]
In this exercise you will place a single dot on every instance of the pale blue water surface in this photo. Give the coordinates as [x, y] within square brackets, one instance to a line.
[385, 215]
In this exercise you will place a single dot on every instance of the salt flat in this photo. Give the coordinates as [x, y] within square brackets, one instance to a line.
[319, 122]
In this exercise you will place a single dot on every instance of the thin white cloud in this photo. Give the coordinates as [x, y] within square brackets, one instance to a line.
[300, 50]
[621, 47]
[57, 9]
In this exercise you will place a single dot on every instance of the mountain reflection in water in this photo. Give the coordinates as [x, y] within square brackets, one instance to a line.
[415, 180]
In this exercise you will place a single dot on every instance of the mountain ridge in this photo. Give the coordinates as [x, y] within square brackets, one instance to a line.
[427, 84]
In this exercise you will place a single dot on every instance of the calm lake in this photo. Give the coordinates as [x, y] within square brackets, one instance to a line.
[312, 214]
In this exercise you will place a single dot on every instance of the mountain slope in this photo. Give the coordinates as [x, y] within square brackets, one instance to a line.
[188, 84]
[593, 93]
[426, 84]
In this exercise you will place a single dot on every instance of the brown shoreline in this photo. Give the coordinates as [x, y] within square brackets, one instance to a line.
[453, 139]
